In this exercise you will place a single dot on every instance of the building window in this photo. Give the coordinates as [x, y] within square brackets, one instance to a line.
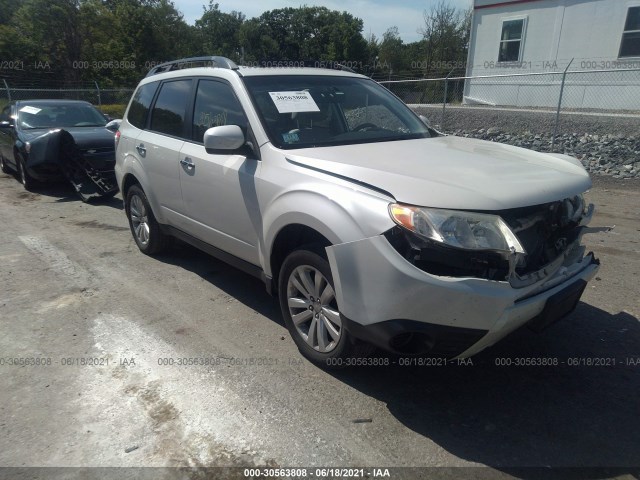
[511, 40]
[630, 46]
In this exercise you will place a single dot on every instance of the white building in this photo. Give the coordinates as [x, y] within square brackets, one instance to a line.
[512, 37]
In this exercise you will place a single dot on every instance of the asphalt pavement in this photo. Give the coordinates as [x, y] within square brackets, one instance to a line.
[111, 358]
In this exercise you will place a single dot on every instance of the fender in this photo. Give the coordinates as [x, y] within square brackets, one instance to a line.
[336, 220]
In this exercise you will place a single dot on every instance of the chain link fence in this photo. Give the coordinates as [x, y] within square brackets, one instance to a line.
[552, 96]
[112, 101]
[543, 102]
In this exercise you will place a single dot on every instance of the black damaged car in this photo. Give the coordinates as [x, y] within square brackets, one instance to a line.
[48, 140]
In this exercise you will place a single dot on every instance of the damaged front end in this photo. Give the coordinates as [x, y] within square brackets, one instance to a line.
[450, 283]
[547, 241]
[87, 163]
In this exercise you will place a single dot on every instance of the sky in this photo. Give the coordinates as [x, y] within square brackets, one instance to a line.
[377, 15]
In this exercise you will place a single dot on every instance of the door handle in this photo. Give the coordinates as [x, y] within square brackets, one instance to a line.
[141, 150]
[187, 162]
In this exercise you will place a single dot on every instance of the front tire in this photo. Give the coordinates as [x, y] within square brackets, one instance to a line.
[310, 311]
[144, 226]
[28, 182]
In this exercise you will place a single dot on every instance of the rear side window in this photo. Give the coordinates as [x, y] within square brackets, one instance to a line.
[140, 105]
[169, 110]
[216, 105]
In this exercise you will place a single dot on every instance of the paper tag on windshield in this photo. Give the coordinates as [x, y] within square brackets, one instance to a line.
[29, 109]
[291, 102]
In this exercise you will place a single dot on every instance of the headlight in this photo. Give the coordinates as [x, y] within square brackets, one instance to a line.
[27, 147]
[468, 230]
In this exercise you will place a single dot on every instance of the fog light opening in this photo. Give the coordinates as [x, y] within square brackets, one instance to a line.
[411, 343]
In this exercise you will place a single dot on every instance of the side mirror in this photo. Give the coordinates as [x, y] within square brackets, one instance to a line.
[113, 125]
[227, 138]
[425, 120]
[5, 124]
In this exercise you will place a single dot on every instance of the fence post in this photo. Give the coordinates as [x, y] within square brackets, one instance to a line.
[444, 100]
[99, 98]
[6, 86]
[555, 128]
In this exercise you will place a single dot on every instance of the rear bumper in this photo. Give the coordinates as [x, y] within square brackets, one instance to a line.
[389, 302]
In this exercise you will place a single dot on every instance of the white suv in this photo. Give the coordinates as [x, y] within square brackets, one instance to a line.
[371, 227]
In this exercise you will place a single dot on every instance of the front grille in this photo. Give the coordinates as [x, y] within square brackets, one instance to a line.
[545, 232]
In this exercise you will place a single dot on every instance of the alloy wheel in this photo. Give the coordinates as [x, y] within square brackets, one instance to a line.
[139, 220]
[313, 308]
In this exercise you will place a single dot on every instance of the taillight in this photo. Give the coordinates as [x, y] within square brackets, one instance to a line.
[117, 138]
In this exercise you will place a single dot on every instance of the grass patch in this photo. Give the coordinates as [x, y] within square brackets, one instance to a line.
[114, 110]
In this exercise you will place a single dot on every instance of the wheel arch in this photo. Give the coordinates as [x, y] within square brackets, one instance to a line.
[132, 173]
[128, 181]
[288, 239]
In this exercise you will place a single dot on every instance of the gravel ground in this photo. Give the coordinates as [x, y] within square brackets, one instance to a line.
[74, 286]
[514, 122]
[606, 145]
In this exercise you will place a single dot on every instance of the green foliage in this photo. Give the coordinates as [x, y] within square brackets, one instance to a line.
[218, 33]
[116, 42]
[446, 38]
[116, 111]
[392, 51]
[305, 33]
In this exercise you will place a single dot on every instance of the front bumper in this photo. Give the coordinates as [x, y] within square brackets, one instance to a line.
[387, 301]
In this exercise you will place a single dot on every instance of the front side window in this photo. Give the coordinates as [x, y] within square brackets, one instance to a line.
[169, 110]
[140, 104]
[511, 40]
[630, 46]
[216, 105]
[300, 111]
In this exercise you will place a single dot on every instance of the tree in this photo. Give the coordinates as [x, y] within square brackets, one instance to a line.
[218, 33]
[45, 32]
[445, 38]
[151, 32]
[392, 58]
[305, 33]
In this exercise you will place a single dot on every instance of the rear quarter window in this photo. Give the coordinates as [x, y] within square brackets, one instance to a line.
[139, 109]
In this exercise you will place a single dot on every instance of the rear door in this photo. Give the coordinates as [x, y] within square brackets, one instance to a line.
[158, 147]
[219, 190]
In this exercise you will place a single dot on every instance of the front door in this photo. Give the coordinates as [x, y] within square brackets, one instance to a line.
[219, 190]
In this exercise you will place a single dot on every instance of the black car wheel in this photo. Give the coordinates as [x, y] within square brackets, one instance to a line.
[28, 182]
[144, 226]
[3, 165]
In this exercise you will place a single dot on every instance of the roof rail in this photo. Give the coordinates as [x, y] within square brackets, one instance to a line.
[344, 68]
[218, 62]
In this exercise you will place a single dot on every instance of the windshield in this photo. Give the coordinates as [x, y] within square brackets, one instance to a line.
[41, 115]
[316, 111]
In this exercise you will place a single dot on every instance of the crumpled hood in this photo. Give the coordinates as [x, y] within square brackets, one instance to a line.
[85, 137]
[46, 143]
[92, 137]
[453, 172]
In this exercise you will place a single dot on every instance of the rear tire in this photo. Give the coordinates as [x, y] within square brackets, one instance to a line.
[3, 166]
[308, 303]
[144, 226]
